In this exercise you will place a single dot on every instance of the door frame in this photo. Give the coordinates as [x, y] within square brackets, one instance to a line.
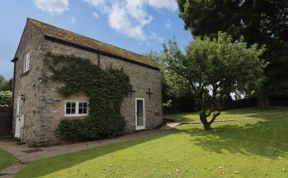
[144, 114]
[19, 115]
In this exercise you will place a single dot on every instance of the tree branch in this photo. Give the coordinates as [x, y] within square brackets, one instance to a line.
[209, 114]
[215, 116]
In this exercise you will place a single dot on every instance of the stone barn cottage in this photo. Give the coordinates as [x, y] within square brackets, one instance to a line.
[37, 105]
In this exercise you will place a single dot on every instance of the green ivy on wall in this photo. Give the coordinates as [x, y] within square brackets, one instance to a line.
[105, 89]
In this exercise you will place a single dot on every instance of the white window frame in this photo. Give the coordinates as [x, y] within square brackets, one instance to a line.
[26, 61]
[76, 108]
[144, 114]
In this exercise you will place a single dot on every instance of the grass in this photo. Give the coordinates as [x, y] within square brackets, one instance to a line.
[247, 148]
[5, 158]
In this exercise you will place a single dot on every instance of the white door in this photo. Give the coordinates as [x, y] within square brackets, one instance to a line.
[19, 117]
[140, 113]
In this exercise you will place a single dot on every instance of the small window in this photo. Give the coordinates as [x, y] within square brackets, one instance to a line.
[76, 108]
[82, 109]
[26, 62]
[70, 108]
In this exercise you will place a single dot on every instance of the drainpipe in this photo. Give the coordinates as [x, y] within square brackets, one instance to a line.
[14, 60]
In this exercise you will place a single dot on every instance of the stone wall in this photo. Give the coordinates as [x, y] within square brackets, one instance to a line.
[44, 106]
[141, 79]
[28, 84]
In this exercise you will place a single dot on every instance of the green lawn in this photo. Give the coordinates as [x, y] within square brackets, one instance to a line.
[247, 148]
[276, 112]
[5, 158]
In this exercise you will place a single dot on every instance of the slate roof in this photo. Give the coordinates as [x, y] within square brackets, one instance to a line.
[54, 32]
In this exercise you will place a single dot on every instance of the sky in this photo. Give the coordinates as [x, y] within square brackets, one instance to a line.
[136, 25]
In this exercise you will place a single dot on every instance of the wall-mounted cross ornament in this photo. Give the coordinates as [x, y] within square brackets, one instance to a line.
[149, 93]
[131, 91]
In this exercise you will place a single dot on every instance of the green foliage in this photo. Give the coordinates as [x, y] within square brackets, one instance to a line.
[4, 84]
[258, 21]
[169, 78]
[212, 69]
[105, 89]
[74, 129]
[167, 104]
[5, 98]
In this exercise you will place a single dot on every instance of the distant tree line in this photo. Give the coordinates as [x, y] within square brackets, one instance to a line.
[5, 91]
[5, 85]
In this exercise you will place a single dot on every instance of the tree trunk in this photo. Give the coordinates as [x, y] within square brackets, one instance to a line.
[263, 100]
[203, 119]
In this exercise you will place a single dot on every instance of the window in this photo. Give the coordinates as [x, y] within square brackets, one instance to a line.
[70, 108]
[82, 109]
[76, 108]
[26, 62]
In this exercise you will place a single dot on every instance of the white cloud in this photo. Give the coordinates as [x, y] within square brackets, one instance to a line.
[94, 3]
[156, 37]
[130, 17]
[95, 15]
[52, 6]
[73, 20]
[168, 24]
[168, 4]
[120, 21]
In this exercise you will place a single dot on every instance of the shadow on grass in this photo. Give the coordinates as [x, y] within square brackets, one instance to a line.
[271, 113]
[50, 165]
[279, 112]
[267, 138]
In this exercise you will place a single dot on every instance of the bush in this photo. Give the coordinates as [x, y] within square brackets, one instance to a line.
[89, 129]
[5, 98]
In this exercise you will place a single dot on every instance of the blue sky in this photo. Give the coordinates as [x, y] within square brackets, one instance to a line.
[137, 25]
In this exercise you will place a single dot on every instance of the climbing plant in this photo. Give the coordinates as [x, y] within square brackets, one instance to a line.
[105, 89]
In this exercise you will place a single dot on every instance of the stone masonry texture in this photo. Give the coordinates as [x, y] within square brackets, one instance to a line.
[44, 106]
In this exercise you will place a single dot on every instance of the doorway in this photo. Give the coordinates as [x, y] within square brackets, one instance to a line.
[140, 113]
[19, 117]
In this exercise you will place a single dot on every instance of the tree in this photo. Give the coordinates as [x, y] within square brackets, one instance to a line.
[5, 98]
[212, 69]
[258, 21]
[5, 85]
[8, 85]
[2, 82]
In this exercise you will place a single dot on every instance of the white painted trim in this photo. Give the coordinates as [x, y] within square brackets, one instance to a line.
[19, 122]
[76, 108]
[144, 114]
[26, 61]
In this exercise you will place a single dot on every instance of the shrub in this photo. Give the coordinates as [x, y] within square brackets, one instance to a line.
[88, 129]
[5, 98]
